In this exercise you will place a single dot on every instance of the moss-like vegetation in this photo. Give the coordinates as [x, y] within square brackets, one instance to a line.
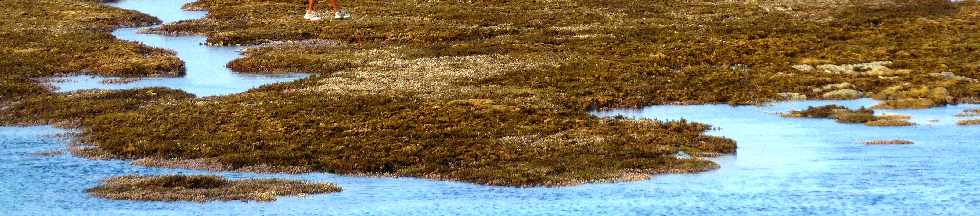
[55, 37]
[68, 109]
[202, 164]
[498, 92]
[627, 54]
[844, 115]
[466, 91]
[889, 142]
[203, 188]
[488, 142]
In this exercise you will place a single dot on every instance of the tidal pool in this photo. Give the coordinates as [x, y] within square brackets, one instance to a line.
[206, 71]
[784, 166]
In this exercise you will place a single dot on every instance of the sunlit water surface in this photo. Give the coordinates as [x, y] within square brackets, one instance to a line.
[783, 167]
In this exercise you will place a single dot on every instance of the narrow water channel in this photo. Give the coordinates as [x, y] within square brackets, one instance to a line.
[206, 71]
[783, 167]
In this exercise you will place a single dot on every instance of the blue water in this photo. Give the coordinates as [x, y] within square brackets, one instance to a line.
[784, 166]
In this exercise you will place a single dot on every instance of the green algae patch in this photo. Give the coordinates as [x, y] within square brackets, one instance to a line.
[40, 39]
[200, 188]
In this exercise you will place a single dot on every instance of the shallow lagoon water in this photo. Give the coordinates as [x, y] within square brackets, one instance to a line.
[783, 167]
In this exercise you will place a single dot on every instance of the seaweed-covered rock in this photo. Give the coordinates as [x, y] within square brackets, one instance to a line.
[203, 188]
[860, 116]
[889, 123]
[908, 103]
[817, 112]
[844, 115]
[907, 96]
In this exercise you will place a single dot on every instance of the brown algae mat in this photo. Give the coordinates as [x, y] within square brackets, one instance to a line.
[203, 188]
[70, 108]
[470, 91]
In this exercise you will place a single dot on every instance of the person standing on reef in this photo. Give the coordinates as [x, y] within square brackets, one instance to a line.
[311, 14]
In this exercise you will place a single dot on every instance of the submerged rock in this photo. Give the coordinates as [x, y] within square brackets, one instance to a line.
[889, 142]
[894, 117]
[48, 153]
[120, 80]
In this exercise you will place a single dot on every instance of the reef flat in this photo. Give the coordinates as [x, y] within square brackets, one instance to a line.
[201, 188]
[499, 93]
